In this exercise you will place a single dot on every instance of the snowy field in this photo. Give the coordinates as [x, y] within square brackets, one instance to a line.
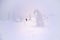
[10, 30]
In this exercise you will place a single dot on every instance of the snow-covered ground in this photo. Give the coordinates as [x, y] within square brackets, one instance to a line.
[19, 9]
[25, 30]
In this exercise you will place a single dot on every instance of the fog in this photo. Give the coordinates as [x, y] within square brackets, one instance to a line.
[29, 20]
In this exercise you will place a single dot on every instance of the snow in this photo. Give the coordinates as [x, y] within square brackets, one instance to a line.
[14, 10]
[25, 30]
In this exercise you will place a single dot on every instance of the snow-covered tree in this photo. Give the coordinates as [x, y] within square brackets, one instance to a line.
[38, 16]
